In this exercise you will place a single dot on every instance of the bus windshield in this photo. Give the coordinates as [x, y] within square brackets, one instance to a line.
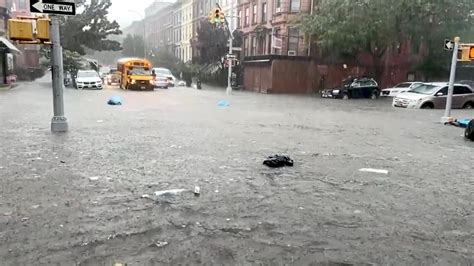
[140, 72]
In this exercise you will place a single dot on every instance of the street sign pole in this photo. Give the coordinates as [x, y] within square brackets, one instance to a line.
[452, 77]
[59, 121]
[230, 25]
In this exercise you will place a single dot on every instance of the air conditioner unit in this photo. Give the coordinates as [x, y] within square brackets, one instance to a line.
[292, 53]
[278, 9]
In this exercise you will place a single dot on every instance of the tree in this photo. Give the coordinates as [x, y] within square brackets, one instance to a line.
[347, 28]
[163, 58]
[212, 43]
[90, 28]
[133, 46]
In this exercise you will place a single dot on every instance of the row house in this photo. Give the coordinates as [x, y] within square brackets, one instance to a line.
[174, 25]
[268, 27]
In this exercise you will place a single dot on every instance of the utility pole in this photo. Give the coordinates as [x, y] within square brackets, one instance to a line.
[231, 38]
[452, 77]
[59, 121]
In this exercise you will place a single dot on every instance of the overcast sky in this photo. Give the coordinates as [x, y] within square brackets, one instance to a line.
[119, 10]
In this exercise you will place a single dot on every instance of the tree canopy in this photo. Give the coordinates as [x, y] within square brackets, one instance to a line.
[133, 46]
[90, 28]
[345, 28]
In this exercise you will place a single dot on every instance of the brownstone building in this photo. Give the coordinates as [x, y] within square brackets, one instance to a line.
[267, 27]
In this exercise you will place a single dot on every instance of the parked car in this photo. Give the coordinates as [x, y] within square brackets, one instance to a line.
[354, 88]
[399, 88]
[164, 72]
[103, 72]
[434, 95]
[113, 77]
[88, 79]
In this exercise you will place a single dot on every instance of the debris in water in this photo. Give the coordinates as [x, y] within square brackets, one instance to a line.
[160, 244]
[100, 121]
[301, 208]
[145, 196]
[223, 104]
[276, 161]
[94, 178]
[169, 192]
[357, 211]
[119, 264]
[228, 219]
[35, 206]
[62, 161]
[197, 191]
[115, 100]
[377, 171]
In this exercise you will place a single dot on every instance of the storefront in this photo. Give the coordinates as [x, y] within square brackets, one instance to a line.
[6, 60]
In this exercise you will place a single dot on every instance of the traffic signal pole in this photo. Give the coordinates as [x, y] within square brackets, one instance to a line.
[452, 77]
[59, 121]
[229, 60]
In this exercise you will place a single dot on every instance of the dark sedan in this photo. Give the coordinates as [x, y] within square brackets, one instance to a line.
[354, 88]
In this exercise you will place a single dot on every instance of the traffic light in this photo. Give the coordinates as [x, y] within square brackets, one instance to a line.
[42, 29]
[471, 52]
[20, 30]
[216, 16]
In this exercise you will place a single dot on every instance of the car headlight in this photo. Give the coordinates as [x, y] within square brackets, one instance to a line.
[133, 81]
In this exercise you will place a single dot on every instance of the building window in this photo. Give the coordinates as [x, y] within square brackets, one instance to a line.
[247, 14]
[294, 5]
[245, 45]
[277, 6]
[264, 12]
[239, 19]
[22, 4]
[254, 45]
[254, 14]
[293, 39]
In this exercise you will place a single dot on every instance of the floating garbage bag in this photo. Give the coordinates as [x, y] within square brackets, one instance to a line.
[276, 161]
[115, 100]
[223, 104]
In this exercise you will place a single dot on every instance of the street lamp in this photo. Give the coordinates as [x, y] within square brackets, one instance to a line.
[144, 30]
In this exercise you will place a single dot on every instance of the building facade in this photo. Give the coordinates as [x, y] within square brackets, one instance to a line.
[267, 27]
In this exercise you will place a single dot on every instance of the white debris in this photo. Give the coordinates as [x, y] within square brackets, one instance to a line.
[197, 191]
[161, 244]
[94, 178]
[145, 196]
[169, 192]
[100, 121]
[357, 211]
[301, 208]
[371, 170]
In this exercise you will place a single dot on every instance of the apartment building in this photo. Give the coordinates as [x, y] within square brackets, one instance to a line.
[267, 27]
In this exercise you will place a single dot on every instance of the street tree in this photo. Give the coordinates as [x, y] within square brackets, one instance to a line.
[212, 43]
[133, 46]
[347, 28]
[91, 28]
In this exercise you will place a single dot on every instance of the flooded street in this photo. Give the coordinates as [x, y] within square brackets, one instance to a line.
[87, 197]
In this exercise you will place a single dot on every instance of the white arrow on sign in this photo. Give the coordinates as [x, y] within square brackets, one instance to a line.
[41, 7]
[449, 45]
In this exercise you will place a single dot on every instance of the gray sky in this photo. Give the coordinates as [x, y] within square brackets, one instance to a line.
[119, 10]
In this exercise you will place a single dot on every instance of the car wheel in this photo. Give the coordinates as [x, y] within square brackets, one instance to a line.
[374, 95]
[468, 105]
[427, 106]
[345, 96]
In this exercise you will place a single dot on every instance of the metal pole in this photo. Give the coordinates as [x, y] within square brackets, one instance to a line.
[452, 77]
[59, 121]
[144, 37]
[229, 78]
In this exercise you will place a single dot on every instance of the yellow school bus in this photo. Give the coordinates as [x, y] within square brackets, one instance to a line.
[135, 73]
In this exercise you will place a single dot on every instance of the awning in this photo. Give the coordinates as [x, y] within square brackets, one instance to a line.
[9, 45]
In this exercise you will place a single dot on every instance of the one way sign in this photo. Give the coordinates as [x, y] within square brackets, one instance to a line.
[448, 45]
[53, 7]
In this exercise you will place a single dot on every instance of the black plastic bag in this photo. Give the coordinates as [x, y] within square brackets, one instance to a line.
[276, 161]
[469, 133]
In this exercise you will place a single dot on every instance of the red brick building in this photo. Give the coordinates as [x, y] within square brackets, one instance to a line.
[276, 57]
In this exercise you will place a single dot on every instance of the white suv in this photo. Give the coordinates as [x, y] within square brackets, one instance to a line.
[434, 95]
[88, 79]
